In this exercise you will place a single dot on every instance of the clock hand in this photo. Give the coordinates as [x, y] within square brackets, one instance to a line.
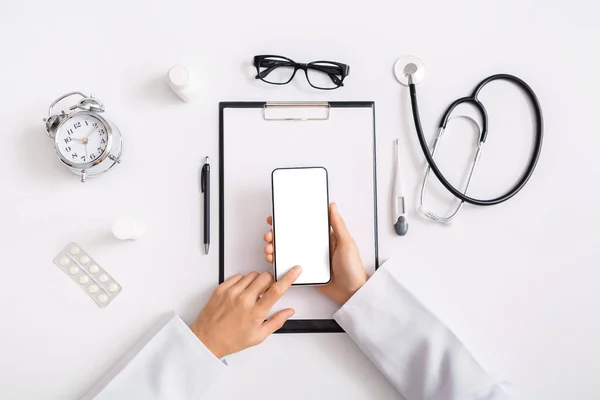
[85, 139]
[90, 134]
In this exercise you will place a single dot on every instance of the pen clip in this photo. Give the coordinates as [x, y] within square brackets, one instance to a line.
[203, 178]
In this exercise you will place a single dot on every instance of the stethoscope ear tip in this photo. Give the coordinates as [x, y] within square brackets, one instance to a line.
[428, 214]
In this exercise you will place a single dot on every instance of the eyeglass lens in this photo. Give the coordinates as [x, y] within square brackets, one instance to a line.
[324, 75]
[276, 70]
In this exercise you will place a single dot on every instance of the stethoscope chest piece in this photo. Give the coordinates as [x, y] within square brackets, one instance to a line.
[407, 67]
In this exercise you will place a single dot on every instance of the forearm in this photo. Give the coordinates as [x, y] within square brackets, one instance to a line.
[168, 363]
[417, 353]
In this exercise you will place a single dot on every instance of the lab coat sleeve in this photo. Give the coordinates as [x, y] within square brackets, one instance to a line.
[416, 352]
[169, 363]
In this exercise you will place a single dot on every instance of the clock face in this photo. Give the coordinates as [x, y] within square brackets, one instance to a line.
[82, 139]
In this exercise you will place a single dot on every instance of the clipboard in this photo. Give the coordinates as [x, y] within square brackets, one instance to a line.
[257, 137]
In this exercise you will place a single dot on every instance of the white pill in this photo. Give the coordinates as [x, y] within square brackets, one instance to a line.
[73, 270]
[113, 287]
[64, 261]
[93, 289]
[102, 298]
[84, 279]
[94, 268]
[74, 250]
[84, 259]
[103, 278]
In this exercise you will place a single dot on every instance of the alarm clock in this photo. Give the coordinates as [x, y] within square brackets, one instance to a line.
[84, 141]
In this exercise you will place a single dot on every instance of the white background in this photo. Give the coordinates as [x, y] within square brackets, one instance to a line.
[518, 282]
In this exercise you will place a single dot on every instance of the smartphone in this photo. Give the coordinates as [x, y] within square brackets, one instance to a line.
[301, 224]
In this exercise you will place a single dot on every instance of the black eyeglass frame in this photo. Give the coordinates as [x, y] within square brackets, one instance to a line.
[343, 72]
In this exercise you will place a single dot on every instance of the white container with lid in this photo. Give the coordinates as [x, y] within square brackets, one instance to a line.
[182, 82]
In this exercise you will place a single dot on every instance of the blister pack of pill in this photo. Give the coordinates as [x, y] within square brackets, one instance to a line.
[87, 274]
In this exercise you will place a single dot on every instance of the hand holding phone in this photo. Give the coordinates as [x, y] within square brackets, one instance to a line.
[348, 273]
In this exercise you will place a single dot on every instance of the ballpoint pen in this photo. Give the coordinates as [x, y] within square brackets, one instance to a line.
[398, 200]
[205, 186]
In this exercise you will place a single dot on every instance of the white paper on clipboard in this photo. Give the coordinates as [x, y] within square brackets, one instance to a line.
[252, 147]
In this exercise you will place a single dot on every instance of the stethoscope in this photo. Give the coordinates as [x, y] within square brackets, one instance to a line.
[410, 71]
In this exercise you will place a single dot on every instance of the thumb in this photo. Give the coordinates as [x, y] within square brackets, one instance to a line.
[276, 321]
[332, 241]
[337, 223]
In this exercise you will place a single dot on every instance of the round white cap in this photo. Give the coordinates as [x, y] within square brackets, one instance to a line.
[179, 76]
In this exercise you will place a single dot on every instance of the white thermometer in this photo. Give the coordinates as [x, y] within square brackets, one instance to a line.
[398, 200]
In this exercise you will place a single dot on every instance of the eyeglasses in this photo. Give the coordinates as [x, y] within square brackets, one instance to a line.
[278, 70]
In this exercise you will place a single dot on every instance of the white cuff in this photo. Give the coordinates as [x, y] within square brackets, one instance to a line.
[169, 363]
[415, 351]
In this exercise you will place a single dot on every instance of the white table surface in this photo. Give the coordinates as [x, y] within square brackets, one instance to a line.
[518, 282]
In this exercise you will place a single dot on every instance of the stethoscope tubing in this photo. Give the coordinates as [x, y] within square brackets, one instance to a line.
[473, 99]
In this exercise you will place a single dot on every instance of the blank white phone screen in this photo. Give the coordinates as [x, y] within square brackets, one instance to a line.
[301, 223]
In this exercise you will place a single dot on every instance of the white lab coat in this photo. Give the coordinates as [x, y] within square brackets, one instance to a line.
[416, 352]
